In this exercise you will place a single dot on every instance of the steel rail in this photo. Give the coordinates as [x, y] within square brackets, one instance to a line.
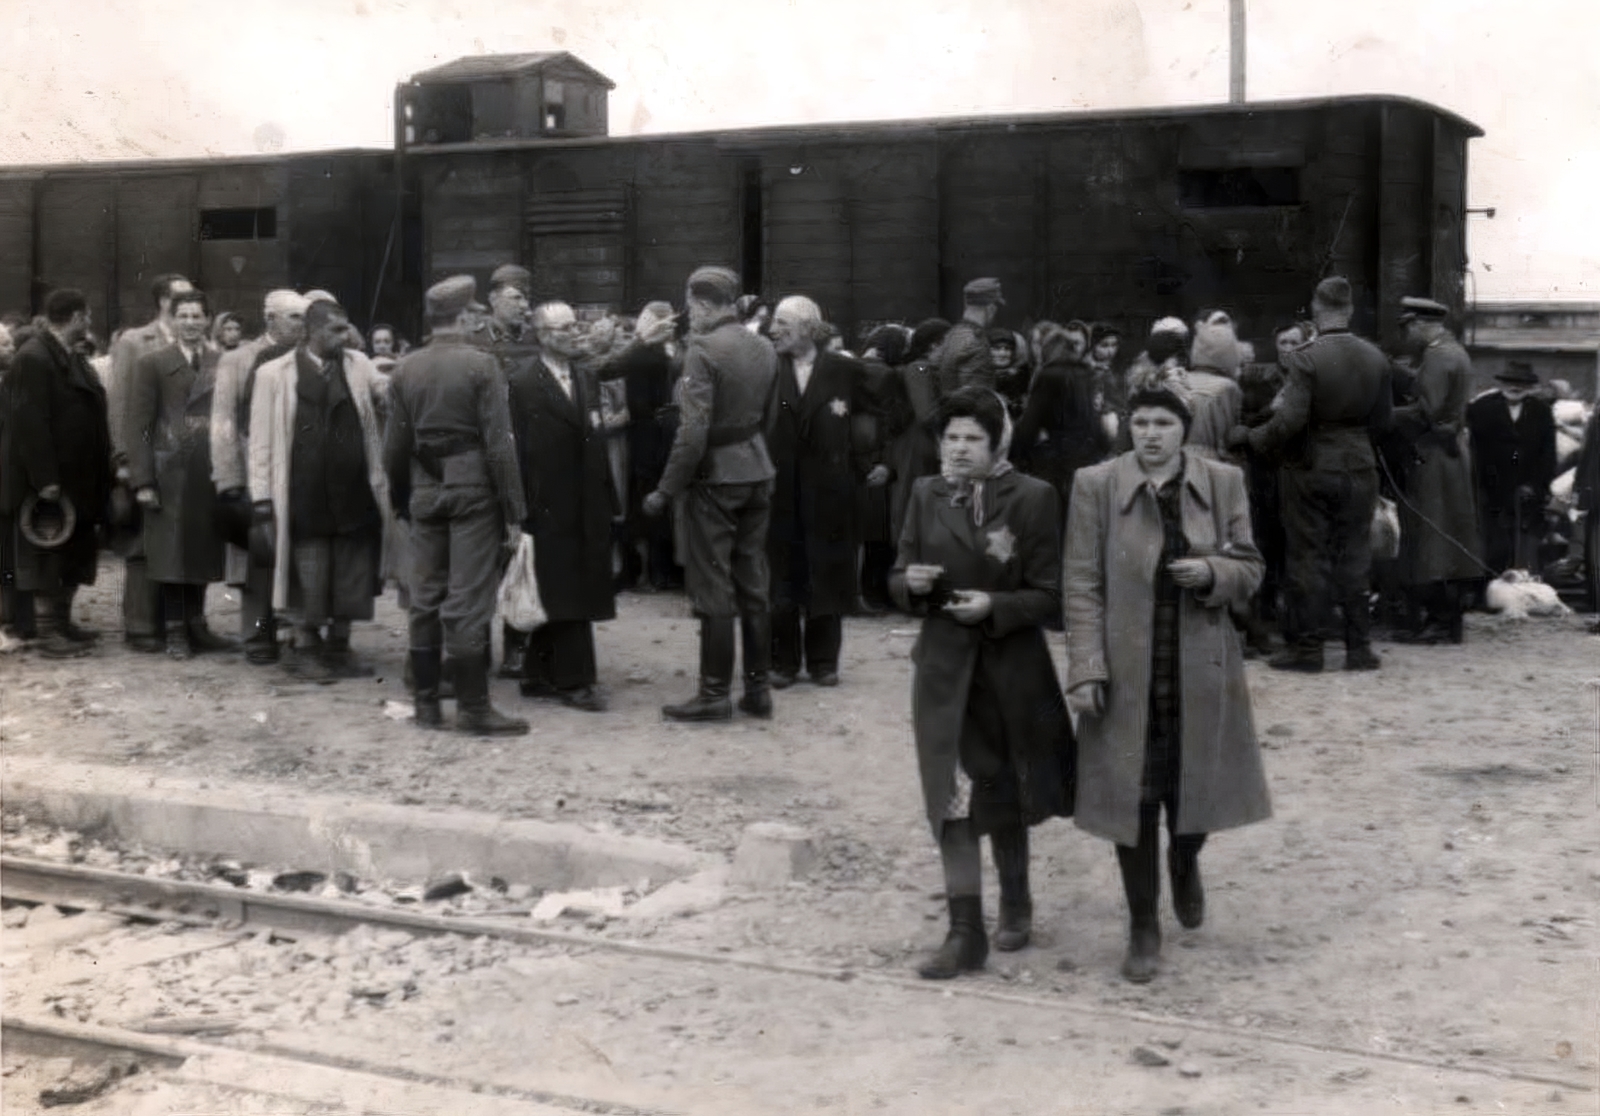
[153, 898]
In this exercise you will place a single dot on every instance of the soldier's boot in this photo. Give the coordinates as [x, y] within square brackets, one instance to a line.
[53, 641]
[711, 702]
[424, 669]
[1015, 925]
[1141, 882]
[474, 714]
[755, 632]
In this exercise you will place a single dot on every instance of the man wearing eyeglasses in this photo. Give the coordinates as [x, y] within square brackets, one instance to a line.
[561, 450]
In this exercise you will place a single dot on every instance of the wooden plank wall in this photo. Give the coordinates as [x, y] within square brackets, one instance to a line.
[807, 240]
[991, 222]
[237, 274]
[77, 230]
[156, 233]
[686, 199]
[1449, 208]
[1405, 211]
[16, 245]
[328, 249]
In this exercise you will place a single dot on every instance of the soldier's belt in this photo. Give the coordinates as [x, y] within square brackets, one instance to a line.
[732, 435]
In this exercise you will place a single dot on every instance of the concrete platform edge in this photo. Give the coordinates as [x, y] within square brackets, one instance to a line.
[268, 827]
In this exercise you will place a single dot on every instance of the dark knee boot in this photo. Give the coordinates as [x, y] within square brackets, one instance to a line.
[1183, 869]
[424, 667]
[711, 702]
[966, 946]
[474, 714]
[55, 638]
[1015, 926]
[756, 638]
[1141, 881]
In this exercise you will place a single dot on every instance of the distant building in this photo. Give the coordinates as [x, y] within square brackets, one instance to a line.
[1560, 339]
[544, 95]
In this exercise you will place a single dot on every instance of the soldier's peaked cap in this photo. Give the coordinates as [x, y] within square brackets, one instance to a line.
[512, 275]
[983, 292]
[448, 297]
[1424, 308]
[721, 280]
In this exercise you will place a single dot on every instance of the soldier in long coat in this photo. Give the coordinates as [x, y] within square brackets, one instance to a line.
[979, 558]
[169, 470]
[812, 540]
[1158, 550]
[1514, 460]
[55, 442]
[1438, 516]
[561, 450]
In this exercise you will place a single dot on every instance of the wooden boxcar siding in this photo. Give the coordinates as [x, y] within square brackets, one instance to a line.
[75, 221]
[687, 200]
[237, 274]
[16, 244]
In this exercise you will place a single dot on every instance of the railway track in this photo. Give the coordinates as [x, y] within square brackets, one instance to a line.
[203, 906]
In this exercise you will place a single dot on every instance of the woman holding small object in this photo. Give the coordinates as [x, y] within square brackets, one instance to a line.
[1158, 550]
[979, 559]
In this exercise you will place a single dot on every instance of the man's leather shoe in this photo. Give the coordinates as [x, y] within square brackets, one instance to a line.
[782, 680]
[1297, 660]
[1361, 658]
[146, 645]
[825, 677]
[588, 699]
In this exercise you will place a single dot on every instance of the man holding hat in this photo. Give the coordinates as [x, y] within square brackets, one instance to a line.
[452, 469]
[55, 454]
[319, 490]
[1438, 517]
[721, 474]
[285, 314]
[965, 358]
[1335, 397]
[1513, 462]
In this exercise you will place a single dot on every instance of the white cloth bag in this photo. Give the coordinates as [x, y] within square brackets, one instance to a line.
[519, 601]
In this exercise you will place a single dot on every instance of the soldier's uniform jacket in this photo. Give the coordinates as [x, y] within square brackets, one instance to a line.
[1335, 397]
[724, 399]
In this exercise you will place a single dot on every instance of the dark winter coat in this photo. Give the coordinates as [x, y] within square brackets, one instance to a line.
[1439, 517]
[561, 452]
[1508, 454]
[913, 452]
[56, 431]
[1014, 556]
[646, 373]
[869, 434]
[1060, 430]
[1114, 540]
[169, 448]
[818, 473]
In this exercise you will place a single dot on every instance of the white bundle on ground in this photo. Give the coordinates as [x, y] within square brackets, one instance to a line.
[1517, 595]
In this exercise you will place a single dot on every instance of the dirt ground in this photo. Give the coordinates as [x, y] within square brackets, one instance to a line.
[1427, 886]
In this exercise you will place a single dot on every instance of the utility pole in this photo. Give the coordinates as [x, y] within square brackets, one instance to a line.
[1236, 57]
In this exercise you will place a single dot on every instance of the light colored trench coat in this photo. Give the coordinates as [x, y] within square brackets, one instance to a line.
[272, 408]
[1113, 544]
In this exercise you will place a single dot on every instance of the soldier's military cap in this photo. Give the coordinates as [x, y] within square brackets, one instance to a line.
[448, 297]
[512, 275]
[983, 292]
[721, 280]
[1412, 308]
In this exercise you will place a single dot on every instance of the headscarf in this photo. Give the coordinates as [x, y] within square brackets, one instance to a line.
[968, 491]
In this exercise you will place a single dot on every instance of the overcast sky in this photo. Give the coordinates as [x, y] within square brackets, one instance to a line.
[94, 79]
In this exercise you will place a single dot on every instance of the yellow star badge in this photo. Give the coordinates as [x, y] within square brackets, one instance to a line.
[1002, 545]
[839, 407]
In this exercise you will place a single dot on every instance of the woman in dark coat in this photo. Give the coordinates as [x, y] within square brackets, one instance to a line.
[980, 560]
[1158, 551]
[913, 449]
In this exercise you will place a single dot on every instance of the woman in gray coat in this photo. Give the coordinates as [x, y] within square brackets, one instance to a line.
[1158, 550]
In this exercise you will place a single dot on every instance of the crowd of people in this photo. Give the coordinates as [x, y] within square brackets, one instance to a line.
[1174, 512]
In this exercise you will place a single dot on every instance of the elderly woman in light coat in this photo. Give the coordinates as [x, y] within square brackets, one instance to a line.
[1158, 549]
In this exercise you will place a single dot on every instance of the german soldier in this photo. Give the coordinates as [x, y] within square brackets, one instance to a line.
[452, 471]
[1335, 397]
[719, 469]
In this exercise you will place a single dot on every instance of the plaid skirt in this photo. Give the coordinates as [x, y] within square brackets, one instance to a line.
[1164, 735]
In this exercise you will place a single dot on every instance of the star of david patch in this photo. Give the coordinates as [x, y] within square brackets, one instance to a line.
[839, 407]
[1002, 545]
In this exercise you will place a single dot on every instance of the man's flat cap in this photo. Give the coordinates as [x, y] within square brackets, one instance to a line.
[1334, 293]
[721, 281]
[448, 297]
[512, 275]
[1412, 308]
[983, 292]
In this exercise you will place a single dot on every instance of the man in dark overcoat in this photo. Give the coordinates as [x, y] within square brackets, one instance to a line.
[1513, 462]
[169, 470]
[141, 599]
[720, 474]
[813, 537]
[1335, 398]
[645, 369]
[561, 449]
[55, 443]
[508, 334]
[1439, 537]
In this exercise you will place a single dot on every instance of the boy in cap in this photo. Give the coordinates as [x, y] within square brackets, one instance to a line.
[1513, 462]
[1335, 397]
